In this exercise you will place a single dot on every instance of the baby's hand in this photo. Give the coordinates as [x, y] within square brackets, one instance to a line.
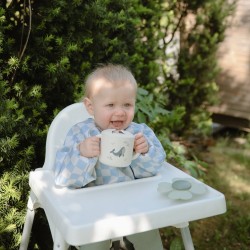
[90, 147]
[141, 144]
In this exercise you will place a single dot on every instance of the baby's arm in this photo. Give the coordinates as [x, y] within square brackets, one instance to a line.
[72, 169]
[152, 153]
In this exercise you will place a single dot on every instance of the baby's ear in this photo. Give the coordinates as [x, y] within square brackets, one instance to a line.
[88, 104]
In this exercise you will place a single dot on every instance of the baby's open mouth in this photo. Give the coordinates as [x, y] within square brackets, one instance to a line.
[117, 123]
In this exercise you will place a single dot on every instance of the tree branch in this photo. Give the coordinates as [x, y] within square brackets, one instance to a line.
[29, 30]
[22, 50]
[183, 11]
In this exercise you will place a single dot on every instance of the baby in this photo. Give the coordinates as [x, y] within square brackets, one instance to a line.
[110, 98]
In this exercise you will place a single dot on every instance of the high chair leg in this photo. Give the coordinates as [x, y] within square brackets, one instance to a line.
[186, 236]
[59, 242]
[27, 229]
[187, 239]
[31, 206]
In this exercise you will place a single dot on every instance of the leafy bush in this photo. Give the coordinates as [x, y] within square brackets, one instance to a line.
[201, 25]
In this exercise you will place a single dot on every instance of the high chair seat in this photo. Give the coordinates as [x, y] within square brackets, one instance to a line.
[93, 215]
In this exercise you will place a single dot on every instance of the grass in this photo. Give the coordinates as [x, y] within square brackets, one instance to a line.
[228, 171]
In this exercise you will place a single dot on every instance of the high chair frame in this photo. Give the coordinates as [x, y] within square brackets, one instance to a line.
[89, 216]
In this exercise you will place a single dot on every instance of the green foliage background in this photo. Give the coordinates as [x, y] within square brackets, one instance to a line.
[48, 47]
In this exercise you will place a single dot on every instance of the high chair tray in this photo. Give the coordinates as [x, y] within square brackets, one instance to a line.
[104, 212]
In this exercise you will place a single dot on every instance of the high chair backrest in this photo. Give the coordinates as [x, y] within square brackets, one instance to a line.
[59, 128]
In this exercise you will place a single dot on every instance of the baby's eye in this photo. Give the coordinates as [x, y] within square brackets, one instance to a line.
[110, 105]
[127, 104]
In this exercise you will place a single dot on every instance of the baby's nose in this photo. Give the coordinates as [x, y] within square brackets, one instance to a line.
[120, 112]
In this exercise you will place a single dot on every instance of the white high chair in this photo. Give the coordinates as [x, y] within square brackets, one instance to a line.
[90, 217]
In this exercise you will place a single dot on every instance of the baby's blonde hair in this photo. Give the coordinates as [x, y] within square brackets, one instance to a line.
[113, 73]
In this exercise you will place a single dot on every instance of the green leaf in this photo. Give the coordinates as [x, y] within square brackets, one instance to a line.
[176, 244]
[141, 118]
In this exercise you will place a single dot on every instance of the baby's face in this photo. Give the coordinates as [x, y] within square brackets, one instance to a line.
[112, 106]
